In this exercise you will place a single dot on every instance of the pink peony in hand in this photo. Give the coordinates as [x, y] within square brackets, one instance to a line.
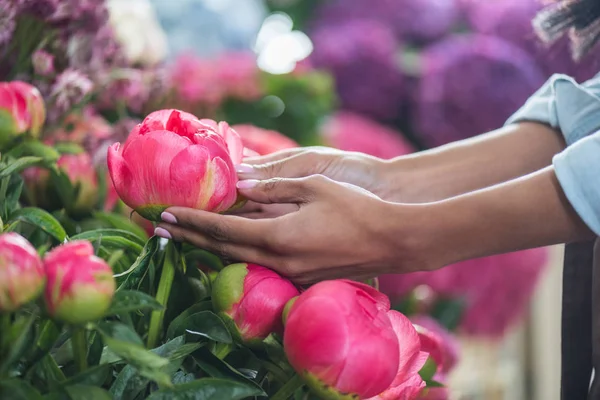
[22, 275]
[342, 338]
[80, 285]
[21, 110]
[252, 299]
[174, 159]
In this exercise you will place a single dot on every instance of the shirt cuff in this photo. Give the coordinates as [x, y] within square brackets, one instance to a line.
[578, 171]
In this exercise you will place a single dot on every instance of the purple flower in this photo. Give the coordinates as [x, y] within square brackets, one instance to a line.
[7, 23]
[41, 9]
[70, 89]
[511, 20]
[470, 85]
[361, 55]
[411, 20]
[497, 289]
[43, 63]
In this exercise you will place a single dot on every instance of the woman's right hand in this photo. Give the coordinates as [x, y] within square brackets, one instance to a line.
[355, 168]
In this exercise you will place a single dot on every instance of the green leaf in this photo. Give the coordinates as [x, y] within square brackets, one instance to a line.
[41, 219]
[428, 370]
[80, 392]
[21, 334]
[63, 187]
[36, 149]
[120, 242]
[123, 223]
[433, 384]
[68, 148]
[206, 324]
[180, 377]
[108, 232]
[13, 194]
[177, 325]
[130, 300]
[19, 165]
[217, 368]
[49, 332]
[139, 267]
[18, 389]
[207, 389]
[94, 376]
[119, 332]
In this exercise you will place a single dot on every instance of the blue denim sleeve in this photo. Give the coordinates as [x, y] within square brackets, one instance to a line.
[574, 109]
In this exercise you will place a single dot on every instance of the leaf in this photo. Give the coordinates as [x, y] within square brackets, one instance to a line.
[18, 389]
[129, 384]
[79, 392]
[217, 368]
[19, 165]
[119, 332]
[123, 223]
[63, 187]
[14, 190]
[130, 300]
[206, 324]
[68, 148]
[207, 389]
[120, 242]
[139, 267]
[41, 219]
[180, 377]
[36, 149]
[177, 325]
[21, 334]
[108, 232]
[94, 376]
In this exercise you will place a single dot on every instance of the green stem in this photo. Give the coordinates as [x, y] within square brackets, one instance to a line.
[4, 334]
[289, 388]
[79, 344]
[162, 294]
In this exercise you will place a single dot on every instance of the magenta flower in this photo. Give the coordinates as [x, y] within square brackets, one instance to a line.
[252, 298]
[22, 275]
[22, 110]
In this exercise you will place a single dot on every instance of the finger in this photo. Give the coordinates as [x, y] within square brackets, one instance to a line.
[230, 251]
[249, 207]
[276, 156]
[224, 228]
[278, 190]
[295, 166]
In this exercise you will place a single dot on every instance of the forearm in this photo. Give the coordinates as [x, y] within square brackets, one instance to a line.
[531, 211]
[471, 164]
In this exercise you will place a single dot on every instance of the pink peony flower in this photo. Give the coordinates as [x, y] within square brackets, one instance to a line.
[80, 285]
[441, 345]
[174, 159]
[485, 284]
[353, 132]
[21, 110]
[252, 298]
[22, 275]
[195, 80]
[263, 141]
[343, 339]
[239, 75]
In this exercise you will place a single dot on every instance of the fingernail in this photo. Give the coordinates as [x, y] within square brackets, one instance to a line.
[163, 233]
[244, 168]
[247, 184]
[168, 217]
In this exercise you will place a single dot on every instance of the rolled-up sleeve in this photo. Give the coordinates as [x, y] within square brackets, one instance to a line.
[574, 109]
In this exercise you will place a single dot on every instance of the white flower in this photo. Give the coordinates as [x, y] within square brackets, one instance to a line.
[137, 28]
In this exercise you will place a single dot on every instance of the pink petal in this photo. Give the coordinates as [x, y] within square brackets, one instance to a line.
[190, 182]
[122, 178]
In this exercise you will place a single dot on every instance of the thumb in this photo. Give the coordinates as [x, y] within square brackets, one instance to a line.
[295, 166]
[278, 190]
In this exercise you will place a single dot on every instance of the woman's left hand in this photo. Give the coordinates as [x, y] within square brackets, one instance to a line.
[338, 230]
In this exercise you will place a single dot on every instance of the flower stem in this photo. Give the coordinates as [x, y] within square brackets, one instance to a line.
[79, 344]
[162, 294]
[289, 388]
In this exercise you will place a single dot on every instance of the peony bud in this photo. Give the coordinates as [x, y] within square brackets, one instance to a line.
[21, 110]
[339, 337]
[174, 159]
[22, 274]
[80, 285]
[251, 298]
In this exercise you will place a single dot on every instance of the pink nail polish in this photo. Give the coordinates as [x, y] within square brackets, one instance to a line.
[163, 233]
[247, 184]
[244, 168]
[168, 217]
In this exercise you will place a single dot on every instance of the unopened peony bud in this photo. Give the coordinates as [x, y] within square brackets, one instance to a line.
[251, 298]
[80, 285]
[22, 275]
[22, 110]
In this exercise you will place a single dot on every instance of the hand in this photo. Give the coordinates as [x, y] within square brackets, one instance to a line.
[338, 230]
[355, 168]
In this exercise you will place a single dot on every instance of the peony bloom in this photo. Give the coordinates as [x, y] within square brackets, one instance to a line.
[343, 339]
[252, 298]
[450, 107]
[441, 345]
[86, 128]
[239, 75]
[80, 285]
[353, 132]
[22, 274]
[263, 141]
[138, 30]
[362, 56]
[174, 159]
[21, 110]
[484, 284]
[195, 81]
